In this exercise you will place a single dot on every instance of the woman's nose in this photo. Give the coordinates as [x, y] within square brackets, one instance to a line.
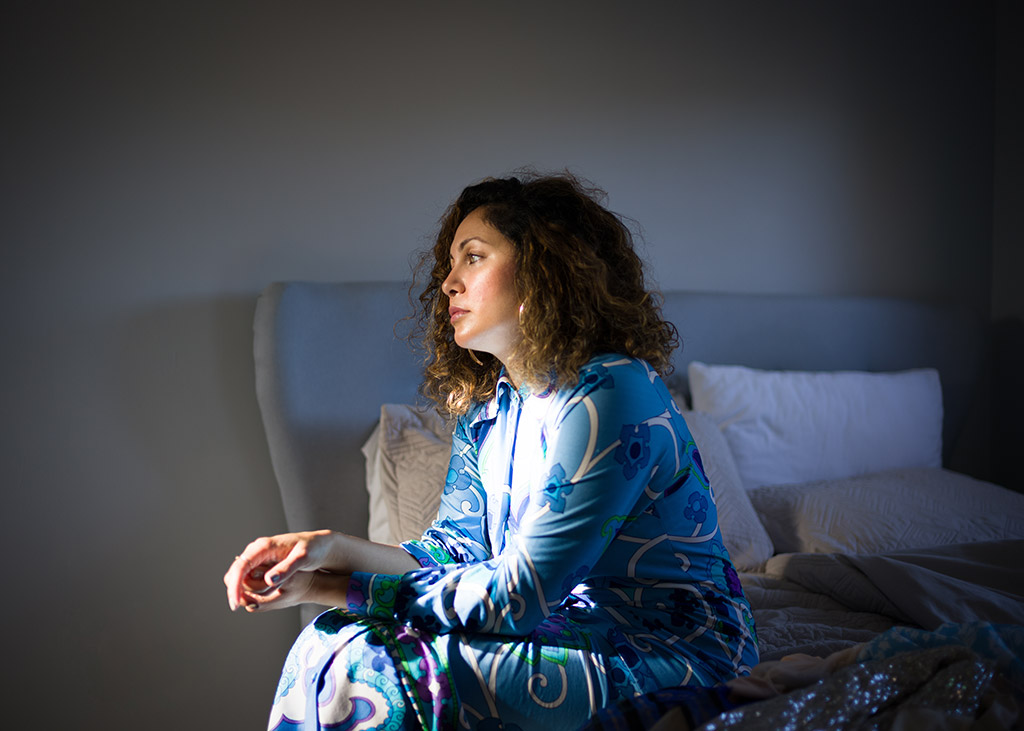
[451, 284]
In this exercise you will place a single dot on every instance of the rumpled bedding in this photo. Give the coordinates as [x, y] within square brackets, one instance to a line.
[818, 603]
[963, 582]
[941, 687]
[928, 638]
[958, 677]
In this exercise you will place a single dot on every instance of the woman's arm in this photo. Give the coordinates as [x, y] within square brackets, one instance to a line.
[459, 534]
[584, 497]
[293, 568]
[313, 567]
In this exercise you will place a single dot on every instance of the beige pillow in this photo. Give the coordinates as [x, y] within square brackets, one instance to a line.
[746, 539]
[378, 528]
[407, 460]
[414, 446]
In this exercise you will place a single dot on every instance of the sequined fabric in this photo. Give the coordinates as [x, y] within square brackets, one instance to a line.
[947, 681]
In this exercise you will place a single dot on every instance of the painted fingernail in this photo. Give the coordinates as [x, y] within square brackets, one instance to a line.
[274, 578]
[251, 607]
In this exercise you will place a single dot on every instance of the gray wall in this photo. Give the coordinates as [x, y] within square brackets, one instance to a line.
[164, 161]
[1008, 254]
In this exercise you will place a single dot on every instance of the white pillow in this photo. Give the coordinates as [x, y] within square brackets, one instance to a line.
[746, 539]
[888, 511]
[788, 427]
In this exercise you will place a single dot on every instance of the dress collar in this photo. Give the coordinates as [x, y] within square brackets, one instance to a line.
[505, 394]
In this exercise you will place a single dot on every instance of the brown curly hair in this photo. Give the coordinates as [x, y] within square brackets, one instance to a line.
[576, 272]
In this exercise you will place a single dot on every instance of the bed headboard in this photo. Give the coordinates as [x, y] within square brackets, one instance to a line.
[327, 356]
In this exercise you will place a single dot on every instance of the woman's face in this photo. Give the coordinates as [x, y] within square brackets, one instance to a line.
[484, 308]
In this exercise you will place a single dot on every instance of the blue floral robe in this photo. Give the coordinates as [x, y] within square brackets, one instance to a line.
[576, 558]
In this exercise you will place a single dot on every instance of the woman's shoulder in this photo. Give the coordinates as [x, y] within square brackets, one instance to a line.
[612, 376]
[613, 387]
[615, 365]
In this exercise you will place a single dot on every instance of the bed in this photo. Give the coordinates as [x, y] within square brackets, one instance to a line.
[840, 435]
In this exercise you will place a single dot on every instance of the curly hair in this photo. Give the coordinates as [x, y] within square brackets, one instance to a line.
[576, 272]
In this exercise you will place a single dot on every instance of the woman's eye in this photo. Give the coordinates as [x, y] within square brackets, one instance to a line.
[473, 258]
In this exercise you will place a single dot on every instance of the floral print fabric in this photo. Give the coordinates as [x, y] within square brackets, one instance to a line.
[576, 559]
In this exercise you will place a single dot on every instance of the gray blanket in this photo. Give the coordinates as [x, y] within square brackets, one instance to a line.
[818, 604]
[958, 583]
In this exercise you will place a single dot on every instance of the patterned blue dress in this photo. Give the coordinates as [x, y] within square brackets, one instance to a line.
[576, 559]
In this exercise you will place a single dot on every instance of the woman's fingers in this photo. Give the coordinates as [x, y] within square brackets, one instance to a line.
[296, 560]
[255, 581]
[253, 600]
[269, 563]
[254, 560]
[233, 581]
[295, 590]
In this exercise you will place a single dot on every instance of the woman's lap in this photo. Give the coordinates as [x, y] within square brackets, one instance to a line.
[363, 674]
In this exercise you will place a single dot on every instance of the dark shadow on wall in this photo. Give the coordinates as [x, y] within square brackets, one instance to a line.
[189, 393]
[187, 400]
[1008, 403]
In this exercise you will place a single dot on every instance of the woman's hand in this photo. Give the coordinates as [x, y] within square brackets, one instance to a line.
[284, 570]
[294, 568]
[302, 587]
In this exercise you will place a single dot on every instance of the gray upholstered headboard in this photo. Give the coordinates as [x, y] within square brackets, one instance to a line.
[327, 356]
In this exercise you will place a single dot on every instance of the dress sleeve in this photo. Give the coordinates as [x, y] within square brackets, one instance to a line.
[459, 534]
[597, 472]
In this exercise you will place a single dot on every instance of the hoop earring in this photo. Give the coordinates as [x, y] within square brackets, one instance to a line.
[473, 357]
[521, 306]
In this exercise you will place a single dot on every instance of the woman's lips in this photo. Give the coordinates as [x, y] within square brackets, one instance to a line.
[456, 312]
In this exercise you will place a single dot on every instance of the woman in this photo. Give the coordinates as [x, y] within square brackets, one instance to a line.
[576, 557]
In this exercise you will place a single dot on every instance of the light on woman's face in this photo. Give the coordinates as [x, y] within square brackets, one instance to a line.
[483, 304]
